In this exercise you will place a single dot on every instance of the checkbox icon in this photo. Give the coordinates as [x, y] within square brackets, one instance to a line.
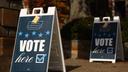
[110, 50]
[40, 58]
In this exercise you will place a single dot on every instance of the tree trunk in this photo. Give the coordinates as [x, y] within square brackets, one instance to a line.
[78, 9]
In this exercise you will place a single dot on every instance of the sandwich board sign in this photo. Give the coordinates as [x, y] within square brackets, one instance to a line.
[38, 46]
[106, 40]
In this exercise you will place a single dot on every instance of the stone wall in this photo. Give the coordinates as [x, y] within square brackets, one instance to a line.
[8, 26]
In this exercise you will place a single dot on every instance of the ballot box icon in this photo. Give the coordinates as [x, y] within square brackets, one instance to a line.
[33, 26]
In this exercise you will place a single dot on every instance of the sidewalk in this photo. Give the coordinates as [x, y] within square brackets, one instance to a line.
[82, 65]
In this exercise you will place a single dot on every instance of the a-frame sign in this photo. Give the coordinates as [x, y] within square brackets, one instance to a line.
[38, 46]
[106, 40]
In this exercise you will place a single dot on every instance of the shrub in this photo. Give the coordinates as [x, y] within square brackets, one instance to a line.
[124, 28]
[78, 29]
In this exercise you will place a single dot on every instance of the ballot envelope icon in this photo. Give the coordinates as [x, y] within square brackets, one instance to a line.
[33, 26]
